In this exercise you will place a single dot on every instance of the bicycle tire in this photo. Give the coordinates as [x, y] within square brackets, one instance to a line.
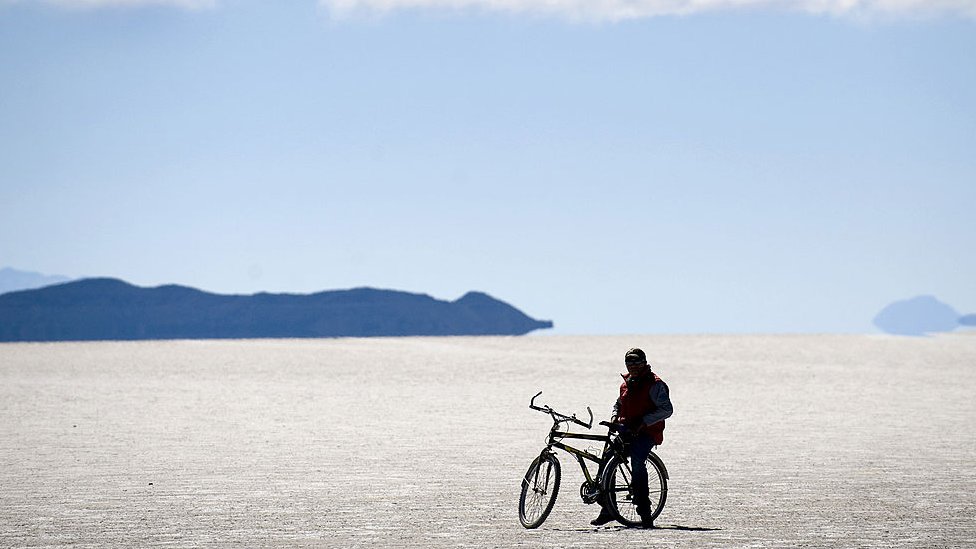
[540, 486]
[619, 493]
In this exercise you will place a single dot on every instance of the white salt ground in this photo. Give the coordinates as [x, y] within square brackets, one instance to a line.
[777, 441]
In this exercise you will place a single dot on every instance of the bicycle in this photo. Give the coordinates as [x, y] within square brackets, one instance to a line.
[611, 486]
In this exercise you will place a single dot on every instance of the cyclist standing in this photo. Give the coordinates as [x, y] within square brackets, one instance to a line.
[641, 409]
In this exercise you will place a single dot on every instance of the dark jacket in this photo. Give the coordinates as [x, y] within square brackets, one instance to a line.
[644, 403]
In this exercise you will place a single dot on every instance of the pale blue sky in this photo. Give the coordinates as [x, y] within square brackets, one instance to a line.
[758, 170]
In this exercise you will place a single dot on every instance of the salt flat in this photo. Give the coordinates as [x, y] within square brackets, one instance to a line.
[777, 441]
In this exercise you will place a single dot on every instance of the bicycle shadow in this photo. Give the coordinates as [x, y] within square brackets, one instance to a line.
[618, 527]
[685, 528]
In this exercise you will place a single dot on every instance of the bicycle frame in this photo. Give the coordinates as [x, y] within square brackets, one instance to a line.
[556, 437]
[580, 455]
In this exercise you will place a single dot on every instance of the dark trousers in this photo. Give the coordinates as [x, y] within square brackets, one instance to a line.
[640, 447]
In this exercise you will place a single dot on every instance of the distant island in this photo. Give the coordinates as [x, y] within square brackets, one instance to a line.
[919, 316]
[111, 309]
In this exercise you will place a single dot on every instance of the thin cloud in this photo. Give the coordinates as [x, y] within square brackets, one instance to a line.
[616, 10]
[95, 4]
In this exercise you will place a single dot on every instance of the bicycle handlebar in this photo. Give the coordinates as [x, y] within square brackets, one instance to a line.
[557, 417]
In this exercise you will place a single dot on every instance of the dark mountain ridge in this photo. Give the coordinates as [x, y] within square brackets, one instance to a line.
[111, 309]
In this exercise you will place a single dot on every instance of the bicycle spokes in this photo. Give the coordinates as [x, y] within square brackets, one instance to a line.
[626, 476]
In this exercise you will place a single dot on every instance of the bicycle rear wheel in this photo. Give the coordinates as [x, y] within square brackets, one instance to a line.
[539, 489]
[620, 493]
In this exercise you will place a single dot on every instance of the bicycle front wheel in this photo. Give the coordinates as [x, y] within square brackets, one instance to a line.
[617, 485]
[539, 488]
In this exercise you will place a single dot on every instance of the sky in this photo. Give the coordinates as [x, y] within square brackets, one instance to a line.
[618, 167]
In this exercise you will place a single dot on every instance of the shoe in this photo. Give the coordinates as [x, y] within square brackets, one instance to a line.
[647, 521]
[604, 518]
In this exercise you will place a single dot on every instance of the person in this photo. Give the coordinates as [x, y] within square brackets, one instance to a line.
[641, 408]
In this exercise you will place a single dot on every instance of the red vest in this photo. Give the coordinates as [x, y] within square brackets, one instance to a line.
[635, 403]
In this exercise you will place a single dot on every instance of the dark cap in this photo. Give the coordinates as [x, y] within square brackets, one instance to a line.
[635, 357]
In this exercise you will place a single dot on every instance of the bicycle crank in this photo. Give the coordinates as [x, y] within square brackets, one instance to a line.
[589, 491]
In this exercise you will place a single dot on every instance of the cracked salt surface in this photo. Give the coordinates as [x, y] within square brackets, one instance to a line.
[777, 441]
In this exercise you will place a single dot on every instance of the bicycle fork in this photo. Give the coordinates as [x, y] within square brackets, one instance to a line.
[545, 481]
